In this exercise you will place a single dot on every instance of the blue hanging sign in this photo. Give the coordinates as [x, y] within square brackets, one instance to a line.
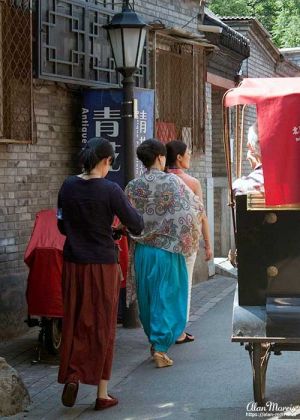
[101, 117]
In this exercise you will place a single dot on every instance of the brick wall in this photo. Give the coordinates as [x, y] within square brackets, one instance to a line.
[218, 157]
[170, 12]
[201, 162]
[30, 176]
[201, 168]
[292, 54]
[217, 220]
[218, 163]
[260, 63]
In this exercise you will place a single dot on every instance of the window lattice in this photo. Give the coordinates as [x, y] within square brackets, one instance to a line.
[15, 71]
[73, 45]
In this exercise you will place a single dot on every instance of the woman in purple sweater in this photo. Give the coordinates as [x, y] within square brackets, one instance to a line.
[87, 204]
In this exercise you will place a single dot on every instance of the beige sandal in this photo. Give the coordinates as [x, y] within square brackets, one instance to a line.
[162, 359]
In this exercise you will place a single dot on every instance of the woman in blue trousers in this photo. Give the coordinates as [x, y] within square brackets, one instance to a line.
[172, 218]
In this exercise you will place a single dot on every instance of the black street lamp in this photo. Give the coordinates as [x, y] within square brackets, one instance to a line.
[127, 34]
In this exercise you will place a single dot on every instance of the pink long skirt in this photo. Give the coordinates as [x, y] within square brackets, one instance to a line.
[90, 297]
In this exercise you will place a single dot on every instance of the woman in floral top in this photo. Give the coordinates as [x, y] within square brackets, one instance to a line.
[172, 217]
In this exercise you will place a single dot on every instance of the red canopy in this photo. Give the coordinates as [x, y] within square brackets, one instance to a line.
[253, 91]
[278, 115]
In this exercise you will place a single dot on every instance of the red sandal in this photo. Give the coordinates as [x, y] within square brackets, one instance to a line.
[103, 403]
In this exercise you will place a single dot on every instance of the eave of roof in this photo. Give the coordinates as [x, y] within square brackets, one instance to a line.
[252, 20]
[189, 37]
[182, 35]
[246, 19]
[229, 37]
[291, 50]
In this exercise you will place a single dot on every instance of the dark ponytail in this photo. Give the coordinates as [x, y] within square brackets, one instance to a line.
[94, 151]
[148, 151]
[174, 148]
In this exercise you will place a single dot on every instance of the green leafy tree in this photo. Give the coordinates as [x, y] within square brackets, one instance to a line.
[265, 11]
[280, 17]
[229, 8]
[285, 30]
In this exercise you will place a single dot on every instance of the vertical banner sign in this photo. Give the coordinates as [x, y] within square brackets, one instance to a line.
[101, 117]
[143, 121]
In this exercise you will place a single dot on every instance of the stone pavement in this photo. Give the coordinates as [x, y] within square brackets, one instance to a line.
[132, 350]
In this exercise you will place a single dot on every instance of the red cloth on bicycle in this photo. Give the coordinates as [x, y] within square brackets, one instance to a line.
[43, 256]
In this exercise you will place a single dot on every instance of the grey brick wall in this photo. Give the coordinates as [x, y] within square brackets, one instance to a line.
[170, 12]
[218, 165]
[292, 54]
[218, 157]
[217, 220]
[201, 162]
[30, 176]
[201, 168]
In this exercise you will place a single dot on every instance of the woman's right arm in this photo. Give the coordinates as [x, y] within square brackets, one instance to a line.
[127, 214]
[205, 226]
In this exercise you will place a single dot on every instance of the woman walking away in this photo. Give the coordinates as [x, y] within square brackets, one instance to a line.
[87, 204]
[178, 159]
[172, 216]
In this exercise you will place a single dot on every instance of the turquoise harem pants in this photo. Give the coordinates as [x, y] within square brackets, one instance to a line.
[162, 289]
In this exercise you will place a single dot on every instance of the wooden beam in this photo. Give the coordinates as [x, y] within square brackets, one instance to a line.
[219, 81]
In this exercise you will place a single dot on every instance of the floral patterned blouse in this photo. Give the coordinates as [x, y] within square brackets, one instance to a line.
[172, 213]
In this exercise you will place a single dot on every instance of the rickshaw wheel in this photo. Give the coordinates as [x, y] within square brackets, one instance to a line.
[259, 355]
[53, 329]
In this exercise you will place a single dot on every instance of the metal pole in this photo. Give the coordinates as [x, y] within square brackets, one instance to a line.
[131, 319]
[128, 119]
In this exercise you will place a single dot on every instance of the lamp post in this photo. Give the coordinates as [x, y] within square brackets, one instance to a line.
[127, 33]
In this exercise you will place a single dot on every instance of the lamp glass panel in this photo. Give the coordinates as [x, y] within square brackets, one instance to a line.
[141, 46]
[117, 45]
[131, 45]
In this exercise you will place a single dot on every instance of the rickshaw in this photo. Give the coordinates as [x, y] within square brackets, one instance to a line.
[266, 309]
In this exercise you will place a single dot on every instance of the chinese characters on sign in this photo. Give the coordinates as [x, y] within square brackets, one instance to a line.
[140, 132]
[101, 117]
[143, 121]
[107, 124]
[296, 132]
